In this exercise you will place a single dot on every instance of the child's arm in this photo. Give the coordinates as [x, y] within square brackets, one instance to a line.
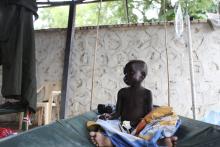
[117, 113]
[119, 105]
[149, 101]
[149, 105]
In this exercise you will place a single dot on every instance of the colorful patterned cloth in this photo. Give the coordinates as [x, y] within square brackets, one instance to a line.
[161, 122]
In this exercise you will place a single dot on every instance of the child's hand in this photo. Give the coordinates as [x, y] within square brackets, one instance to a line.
[105, 116]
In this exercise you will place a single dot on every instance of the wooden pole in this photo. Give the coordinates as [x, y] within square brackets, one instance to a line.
[192, 81]
[69, 42]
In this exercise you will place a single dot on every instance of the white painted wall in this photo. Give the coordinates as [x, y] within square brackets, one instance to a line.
[118, 45]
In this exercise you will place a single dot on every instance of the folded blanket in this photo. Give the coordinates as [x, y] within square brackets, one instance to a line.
[160, 123]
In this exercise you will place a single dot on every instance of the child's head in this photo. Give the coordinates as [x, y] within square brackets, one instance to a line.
[135, 71]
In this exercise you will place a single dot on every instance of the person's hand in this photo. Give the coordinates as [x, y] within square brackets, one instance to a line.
[105, 116]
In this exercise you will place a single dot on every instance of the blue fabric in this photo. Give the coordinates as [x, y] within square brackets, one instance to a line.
[120, 139]
[177, 126]
[213, 117]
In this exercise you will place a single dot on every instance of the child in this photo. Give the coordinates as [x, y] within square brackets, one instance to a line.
[133, 103]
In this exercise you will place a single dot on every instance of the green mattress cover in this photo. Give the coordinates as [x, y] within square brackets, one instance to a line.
[73, 133]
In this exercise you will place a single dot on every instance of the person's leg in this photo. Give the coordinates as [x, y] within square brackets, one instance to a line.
[169, 141]
[99, 140]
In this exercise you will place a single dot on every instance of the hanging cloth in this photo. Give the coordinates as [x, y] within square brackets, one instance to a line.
[17, 51]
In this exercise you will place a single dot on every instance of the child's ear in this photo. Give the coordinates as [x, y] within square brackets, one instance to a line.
[143, 75]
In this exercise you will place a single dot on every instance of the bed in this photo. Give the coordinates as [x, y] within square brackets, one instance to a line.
[73, 133]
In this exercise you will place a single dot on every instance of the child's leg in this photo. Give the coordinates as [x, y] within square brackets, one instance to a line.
[99, 140]
[169, 141]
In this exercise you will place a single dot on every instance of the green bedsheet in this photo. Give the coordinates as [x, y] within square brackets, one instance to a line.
[73, 133]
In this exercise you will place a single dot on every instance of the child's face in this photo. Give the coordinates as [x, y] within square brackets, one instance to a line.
[133, 76]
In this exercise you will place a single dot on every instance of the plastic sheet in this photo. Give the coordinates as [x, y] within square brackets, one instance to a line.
[213, 117]
[73, 133]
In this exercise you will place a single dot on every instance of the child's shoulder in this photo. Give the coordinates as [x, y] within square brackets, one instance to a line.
[146, 90]
[123, 89]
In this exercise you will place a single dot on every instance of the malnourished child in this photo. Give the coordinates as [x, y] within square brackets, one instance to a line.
[135, 123]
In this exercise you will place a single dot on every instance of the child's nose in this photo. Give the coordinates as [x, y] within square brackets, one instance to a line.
[137, 75]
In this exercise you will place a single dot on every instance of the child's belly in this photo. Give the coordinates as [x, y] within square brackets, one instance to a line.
[134, 115]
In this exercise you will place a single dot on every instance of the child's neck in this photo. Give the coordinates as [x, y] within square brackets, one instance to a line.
[136, 86]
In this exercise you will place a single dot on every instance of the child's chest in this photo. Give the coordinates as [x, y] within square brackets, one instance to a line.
[133, 99]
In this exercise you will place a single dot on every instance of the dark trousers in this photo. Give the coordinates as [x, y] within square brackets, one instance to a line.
[17, 53]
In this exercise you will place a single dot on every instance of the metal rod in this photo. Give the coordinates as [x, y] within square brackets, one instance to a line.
[56, 3]
[191, 67]
[167, 57]
[127, 13]
[63, 3]
[94, 53]
[69, 37]
[218, 11]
